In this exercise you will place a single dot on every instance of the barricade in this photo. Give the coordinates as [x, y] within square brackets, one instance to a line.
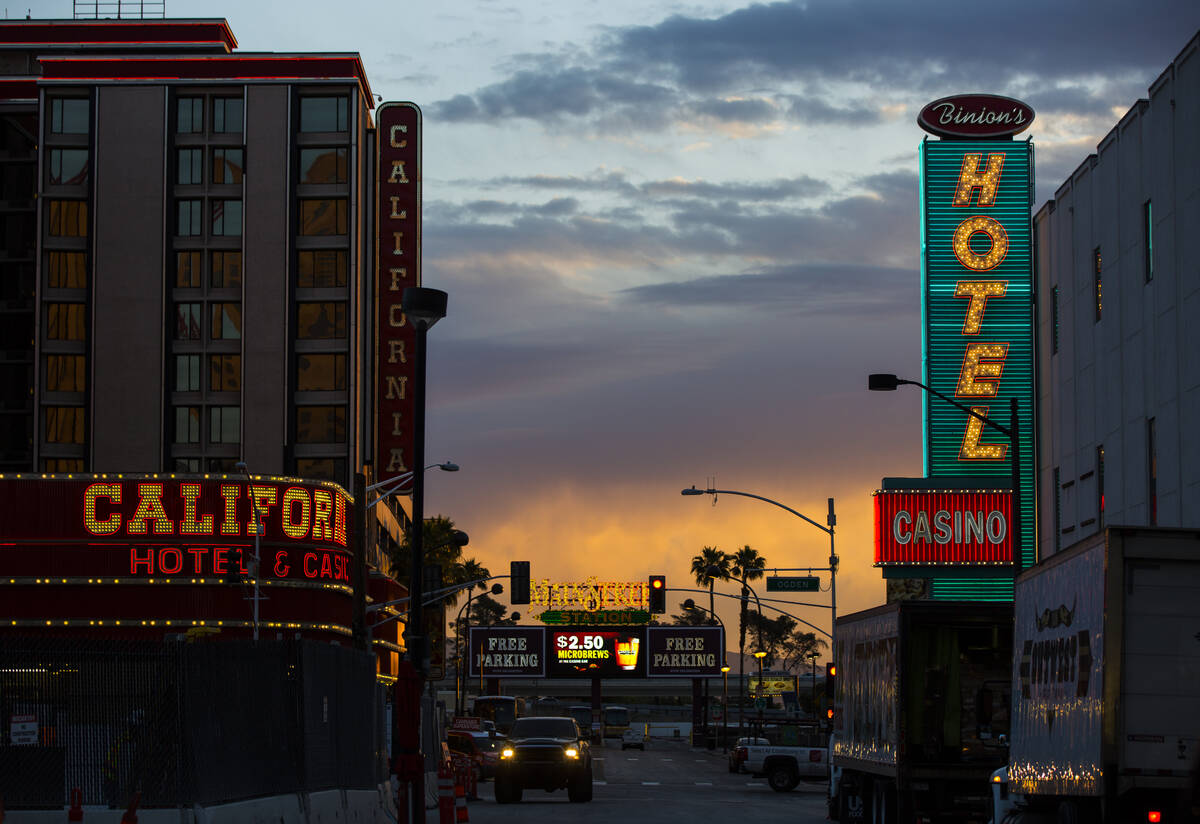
[75, 812]
[130, 816]
[445, 796]
[460, 802]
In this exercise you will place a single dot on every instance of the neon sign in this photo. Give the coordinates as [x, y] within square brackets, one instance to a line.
[977, 285]
[933, 527]
[590, 595]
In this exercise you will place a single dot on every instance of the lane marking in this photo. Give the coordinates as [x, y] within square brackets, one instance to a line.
[755, 784]
[704, 783]
[598, 782]
[668, 759]
[651, 784]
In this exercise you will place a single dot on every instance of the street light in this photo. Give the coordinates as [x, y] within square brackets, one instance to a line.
[403, 478]
[691, 604]
[881, 382]
[422, 308]
[258, 528]
[459, 682]
[830, 520]
[759, 699]
[724, 705]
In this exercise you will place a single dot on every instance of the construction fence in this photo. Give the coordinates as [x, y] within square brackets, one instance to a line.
[185, 723]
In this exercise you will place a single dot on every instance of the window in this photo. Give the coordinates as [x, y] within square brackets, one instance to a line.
[187, 270]
[325, 165]
[190, 167]
[1100, 485]
[225, 373]
[189, 115]
[65, 321]
[1152, 470]
[227, 218]
[191, 465]
[320, 424]
[323, 217]
[1054, 320]
[323, 114]
[227, 166]
[321, 321]
[69, 116]
[67, 218]
[1099, 282]
[321, 373]
[328, 469]
[187, 424]
[227, 115]
[66, 270]
[190, 220]
[68, 167]
[187, 321]
[322, 269]
[224, 424]
[66, 373]
[64, 424]
[226, 270]
[61, 465]
[226, 321]
[187, 373]
[1148, 240]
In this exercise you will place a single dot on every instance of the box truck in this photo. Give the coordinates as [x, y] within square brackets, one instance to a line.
[922, 696]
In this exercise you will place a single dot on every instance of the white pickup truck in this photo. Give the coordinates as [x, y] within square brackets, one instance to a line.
[784, 767]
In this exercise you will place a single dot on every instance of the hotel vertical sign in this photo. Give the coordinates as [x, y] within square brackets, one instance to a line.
[398, 257]
[977, 285]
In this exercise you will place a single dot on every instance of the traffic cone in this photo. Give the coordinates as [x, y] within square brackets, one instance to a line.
[460, 803]
[75, 813]
[130, 816]
[445, 796]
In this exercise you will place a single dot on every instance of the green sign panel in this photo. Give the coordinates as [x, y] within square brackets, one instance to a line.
[616, 617]
[804, 583]
[977, 316]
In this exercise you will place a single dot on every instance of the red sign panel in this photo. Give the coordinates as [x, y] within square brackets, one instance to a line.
[399, 257]
[933, 527]
[975, 116]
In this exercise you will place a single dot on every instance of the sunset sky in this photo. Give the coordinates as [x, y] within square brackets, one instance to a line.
[677, 236]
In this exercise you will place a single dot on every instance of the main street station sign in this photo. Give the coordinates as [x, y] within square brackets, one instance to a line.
[590, 595]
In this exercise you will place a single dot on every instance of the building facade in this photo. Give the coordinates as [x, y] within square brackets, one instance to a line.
[187, 272]
[1118, 294]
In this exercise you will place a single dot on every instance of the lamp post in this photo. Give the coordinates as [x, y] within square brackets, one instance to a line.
[691, 604]
[813, 656]
[403, 478]
[881, 382]
[422, 308]
[742, 656]
[760, 655]
[258, 528]
[724, 705]
[830, 520]
[459, 681]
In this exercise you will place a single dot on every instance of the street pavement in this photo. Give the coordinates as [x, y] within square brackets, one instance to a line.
[670, 781]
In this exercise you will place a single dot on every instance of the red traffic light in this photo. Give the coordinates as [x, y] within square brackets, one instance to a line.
[657, 595]
[829, 713]
[657, 582]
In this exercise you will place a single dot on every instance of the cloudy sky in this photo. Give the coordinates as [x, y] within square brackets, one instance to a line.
[677, 236]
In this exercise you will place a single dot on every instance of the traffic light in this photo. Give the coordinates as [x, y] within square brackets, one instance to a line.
[235, 575]
[518, 574]
[658, 594]
[830, 677]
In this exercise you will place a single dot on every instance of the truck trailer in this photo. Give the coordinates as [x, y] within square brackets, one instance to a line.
[1106, 681]
[922, 697]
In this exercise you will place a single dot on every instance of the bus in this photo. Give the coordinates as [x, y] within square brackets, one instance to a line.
[582, 713]
[501, 710]
[615, 721]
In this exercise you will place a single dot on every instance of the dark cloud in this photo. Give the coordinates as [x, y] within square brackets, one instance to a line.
[801, 186]
[1098, 51]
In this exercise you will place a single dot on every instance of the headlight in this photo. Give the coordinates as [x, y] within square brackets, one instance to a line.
[507, 752]
[572, 752]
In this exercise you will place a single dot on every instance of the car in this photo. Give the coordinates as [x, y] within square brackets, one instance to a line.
[482, 748]
[737, 753]
[633, 738]
[548, 753]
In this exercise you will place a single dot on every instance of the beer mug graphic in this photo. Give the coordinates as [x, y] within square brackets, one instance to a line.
[627, 653]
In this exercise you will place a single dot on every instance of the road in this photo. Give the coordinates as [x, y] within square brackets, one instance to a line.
[668, 782]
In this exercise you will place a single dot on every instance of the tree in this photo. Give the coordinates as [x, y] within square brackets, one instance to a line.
[770, 634]
[709, 566]
[691, 617]
[798, 647]
[440, 547]
[745, 565]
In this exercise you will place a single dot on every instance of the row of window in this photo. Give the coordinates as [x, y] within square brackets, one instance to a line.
[314, 424]
[225, 115]
[314, 372]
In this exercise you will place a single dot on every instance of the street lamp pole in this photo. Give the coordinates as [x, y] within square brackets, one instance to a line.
[760, 655]
[422, 308]
[724, 706]
[880, 382]
[691, 604]
[830, 520]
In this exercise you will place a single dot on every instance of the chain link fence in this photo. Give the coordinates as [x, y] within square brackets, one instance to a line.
[185, 723]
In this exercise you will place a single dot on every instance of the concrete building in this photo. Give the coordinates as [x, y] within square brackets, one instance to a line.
[1118, 299]
[186, 279]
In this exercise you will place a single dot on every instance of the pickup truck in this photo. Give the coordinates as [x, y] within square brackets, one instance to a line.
[784, 767]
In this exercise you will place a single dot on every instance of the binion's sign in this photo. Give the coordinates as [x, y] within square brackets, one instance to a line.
[977, 287]
[935, 527]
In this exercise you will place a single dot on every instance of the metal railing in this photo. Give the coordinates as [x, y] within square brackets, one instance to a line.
[121, 9]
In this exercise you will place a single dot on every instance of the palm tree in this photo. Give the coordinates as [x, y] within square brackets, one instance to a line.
[709, 566]
[745, 565]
